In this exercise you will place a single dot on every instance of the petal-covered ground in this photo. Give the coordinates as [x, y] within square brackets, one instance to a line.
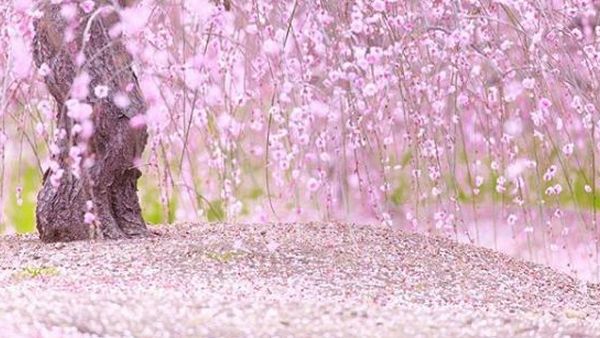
[239, 280]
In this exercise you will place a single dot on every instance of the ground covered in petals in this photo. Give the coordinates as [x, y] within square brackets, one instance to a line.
[327, 279]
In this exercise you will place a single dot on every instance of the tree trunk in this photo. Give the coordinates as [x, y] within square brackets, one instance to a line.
[110, 183]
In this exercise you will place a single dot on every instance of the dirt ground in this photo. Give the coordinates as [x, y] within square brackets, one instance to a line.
[284, 280]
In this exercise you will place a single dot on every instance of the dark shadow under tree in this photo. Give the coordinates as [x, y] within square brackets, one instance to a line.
[110, 183]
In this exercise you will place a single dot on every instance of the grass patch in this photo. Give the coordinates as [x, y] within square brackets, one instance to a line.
[22, 216]
[224, 257]
[216, 211]
[36, 272]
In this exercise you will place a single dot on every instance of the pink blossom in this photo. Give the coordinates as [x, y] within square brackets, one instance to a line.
[384, 108]
[21, 57]
[87, 6]
[150, 89]
[545, 103]
[44, 70]
[567, 149]
[271, 47]
[512, 219]
[78, 111]
[370, 89]
[101, 91]
[134, 20]
[379, 5]
[56, 177]
[121, 100]
[89, 218]
[313, 184]
[214, 96]
[69, 11]
[202, 8]
[356, 26]
[528, 83]
[87, 129]
[79, 89]
[138, 121]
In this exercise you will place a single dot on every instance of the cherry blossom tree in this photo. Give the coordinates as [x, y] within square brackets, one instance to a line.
[472, 119]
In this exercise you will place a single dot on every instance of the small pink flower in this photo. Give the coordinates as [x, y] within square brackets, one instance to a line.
[87, 6]
[356, 26]
[568, 149]
[89, 218]
[313, 184]
[214, 96]
[271, 47]
[151, 91]
[56, 177]
[251, 29]
[101, 91]
[54, 149]
[121, 100]
[80, 90]
[370, 89]
[87, 129]
[80, 59]
[528, 83]
[138, 121]
[379, 5]
[545, 103]
[558, 213]
[69, 12]
[512, 219]
[134, 20]
[44, 70]
[549, 174]
[78, 111]
[21, 55]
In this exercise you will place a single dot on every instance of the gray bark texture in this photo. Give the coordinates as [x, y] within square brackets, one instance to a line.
[111, 182]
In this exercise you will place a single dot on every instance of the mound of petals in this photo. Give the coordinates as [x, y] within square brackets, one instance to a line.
[291, 279]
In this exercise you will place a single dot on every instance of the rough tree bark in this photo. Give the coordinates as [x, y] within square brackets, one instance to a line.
[111, 182]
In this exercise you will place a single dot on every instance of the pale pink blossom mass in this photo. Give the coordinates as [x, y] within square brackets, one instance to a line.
[474, 120]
